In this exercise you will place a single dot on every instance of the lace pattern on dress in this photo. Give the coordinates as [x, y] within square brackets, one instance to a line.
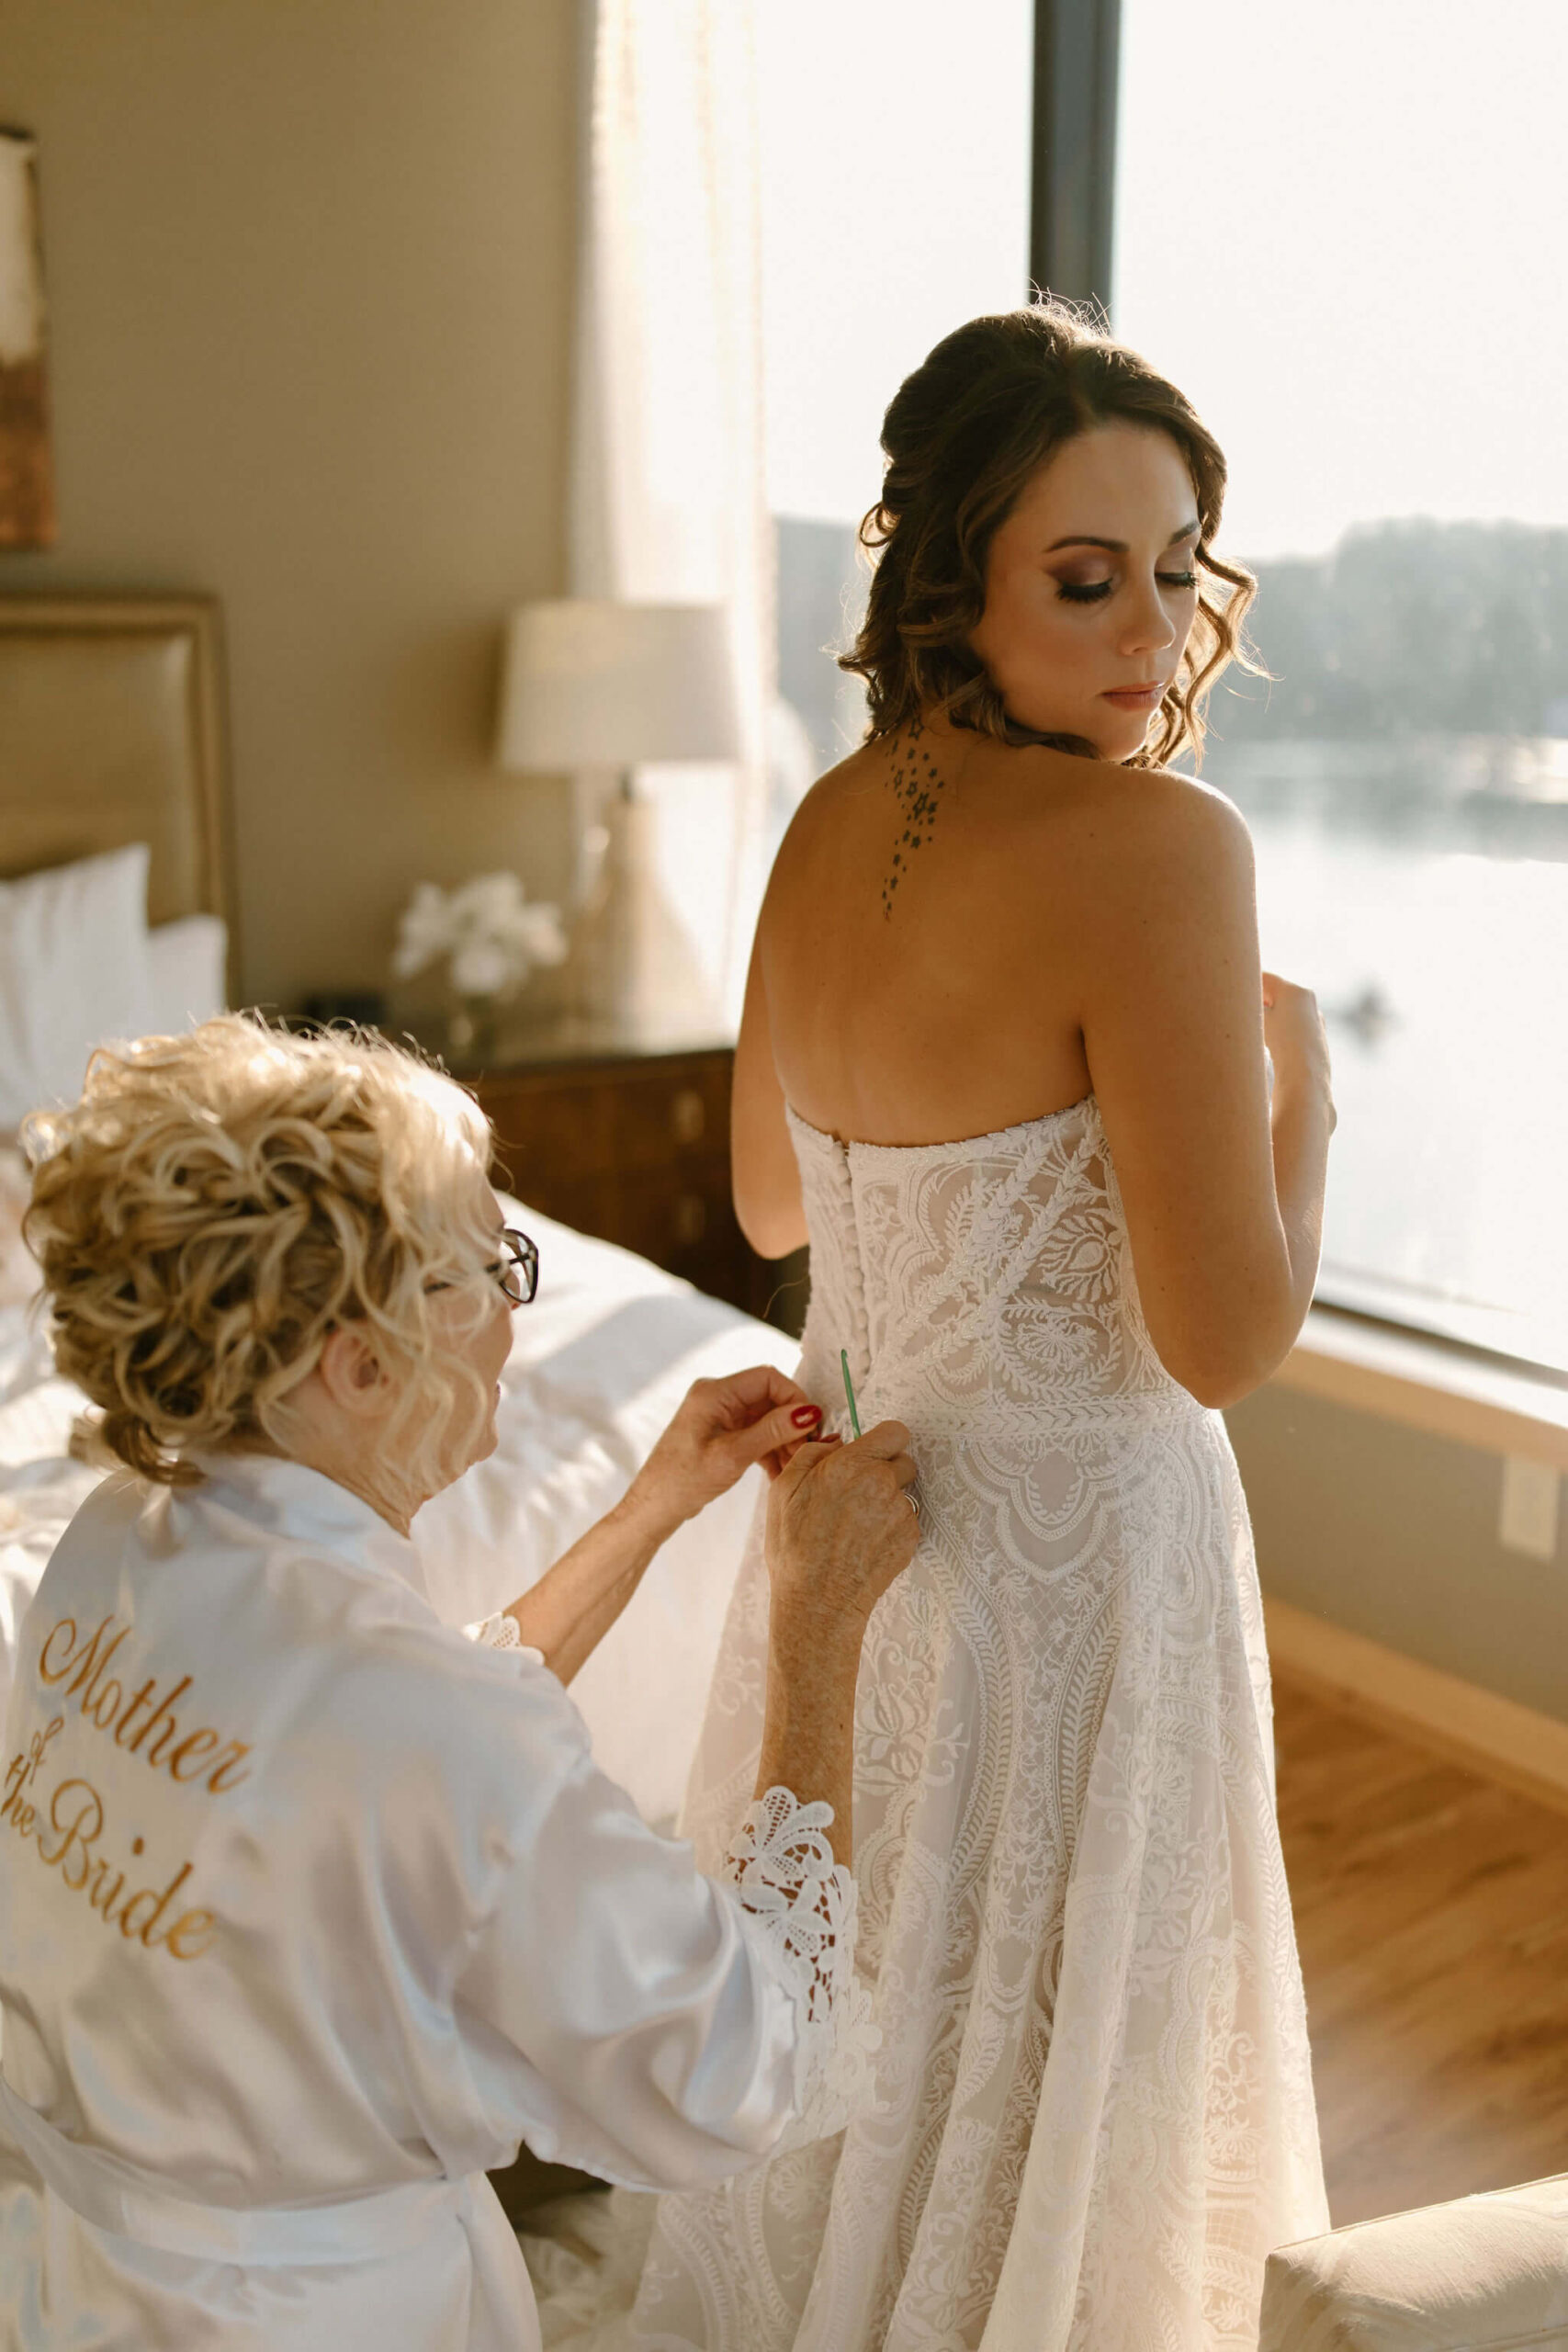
[803, 1905]
[1093, 2115]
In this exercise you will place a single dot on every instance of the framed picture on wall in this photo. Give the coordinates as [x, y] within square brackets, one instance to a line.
[27, 474]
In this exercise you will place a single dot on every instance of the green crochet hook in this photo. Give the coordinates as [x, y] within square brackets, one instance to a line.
[850, 1390]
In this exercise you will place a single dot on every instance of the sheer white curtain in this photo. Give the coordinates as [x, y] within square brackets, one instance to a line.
[669, 498]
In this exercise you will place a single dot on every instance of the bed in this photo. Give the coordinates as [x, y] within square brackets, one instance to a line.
[111, 735]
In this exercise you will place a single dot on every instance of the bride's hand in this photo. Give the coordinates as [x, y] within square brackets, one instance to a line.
[1294, 1034]
[720, 1430]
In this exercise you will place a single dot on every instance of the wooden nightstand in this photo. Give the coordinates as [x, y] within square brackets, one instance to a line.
[628, 1138]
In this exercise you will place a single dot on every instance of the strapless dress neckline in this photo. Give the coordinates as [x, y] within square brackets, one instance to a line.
[1000, 1137]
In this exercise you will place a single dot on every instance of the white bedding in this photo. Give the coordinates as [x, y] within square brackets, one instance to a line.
[599, 1362]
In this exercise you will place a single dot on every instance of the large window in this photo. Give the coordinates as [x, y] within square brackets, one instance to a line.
[1339, 229]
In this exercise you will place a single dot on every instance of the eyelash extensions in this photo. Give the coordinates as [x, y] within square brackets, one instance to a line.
[1095, 592]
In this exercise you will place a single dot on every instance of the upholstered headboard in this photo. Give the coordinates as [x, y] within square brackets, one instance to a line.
[111, 731]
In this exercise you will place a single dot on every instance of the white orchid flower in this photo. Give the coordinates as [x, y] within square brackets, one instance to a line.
[479, 968]
[484, 903]
[485, 927]
[424, 932]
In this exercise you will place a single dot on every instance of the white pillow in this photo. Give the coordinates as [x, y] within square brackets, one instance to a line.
[189, 982]
[73, 971]
[18, 1274]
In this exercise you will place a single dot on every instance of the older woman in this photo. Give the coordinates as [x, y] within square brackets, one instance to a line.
[311, 1908]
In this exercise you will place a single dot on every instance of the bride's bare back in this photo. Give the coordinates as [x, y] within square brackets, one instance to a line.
[921, 946]
[959, 935]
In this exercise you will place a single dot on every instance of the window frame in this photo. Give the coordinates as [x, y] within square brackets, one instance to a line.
[1073, 147]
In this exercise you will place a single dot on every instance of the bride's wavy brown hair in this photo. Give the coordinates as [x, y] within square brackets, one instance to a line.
[977, 419]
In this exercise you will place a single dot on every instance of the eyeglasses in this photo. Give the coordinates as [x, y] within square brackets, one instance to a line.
[517, 1268]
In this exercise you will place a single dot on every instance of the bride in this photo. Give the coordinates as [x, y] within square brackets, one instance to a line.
[1003, 1063]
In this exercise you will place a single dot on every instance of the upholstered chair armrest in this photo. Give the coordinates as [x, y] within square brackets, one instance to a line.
[1483, 2274]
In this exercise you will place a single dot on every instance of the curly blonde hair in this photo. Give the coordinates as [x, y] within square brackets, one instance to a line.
[216, 1202]
[983, 412]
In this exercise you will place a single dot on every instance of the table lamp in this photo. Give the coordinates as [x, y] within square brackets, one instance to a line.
[589, 683]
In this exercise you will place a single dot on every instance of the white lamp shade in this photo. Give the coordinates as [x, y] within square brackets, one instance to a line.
[591, 684]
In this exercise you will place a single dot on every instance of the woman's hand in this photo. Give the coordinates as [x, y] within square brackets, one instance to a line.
[1296, 1036]
[721, 1429]
[840, 1528]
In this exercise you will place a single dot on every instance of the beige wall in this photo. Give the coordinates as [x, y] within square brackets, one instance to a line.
[309, 269]
[1393, 1533]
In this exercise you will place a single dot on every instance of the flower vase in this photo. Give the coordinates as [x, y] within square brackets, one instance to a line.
[471, 1029]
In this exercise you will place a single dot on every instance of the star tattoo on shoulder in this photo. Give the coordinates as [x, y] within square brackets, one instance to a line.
[915, 782]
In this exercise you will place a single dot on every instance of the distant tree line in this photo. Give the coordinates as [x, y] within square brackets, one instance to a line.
[1409, 628]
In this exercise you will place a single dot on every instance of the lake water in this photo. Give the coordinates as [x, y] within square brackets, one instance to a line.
[1443, 972]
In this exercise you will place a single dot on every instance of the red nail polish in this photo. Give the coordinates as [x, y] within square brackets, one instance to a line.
[804, 1414]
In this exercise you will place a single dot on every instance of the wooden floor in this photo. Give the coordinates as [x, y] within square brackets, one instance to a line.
[1432, 1919]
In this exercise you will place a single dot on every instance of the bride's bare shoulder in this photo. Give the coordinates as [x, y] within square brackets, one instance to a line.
[1162, 797]
[846, 800]
[1141, 822]
[1165, 859]
[861, 774]
[1033, 822]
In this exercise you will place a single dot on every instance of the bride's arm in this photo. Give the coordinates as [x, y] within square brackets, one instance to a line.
[763, 1170]
[1223, 1191]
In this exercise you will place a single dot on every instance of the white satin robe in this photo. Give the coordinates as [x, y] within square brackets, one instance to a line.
[309, 1908]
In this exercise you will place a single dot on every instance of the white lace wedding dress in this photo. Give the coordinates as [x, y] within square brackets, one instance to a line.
[1093, 2112]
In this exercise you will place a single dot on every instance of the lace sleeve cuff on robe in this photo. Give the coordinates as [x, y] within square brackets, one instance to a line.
[802, 1912]
[500, 1633]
